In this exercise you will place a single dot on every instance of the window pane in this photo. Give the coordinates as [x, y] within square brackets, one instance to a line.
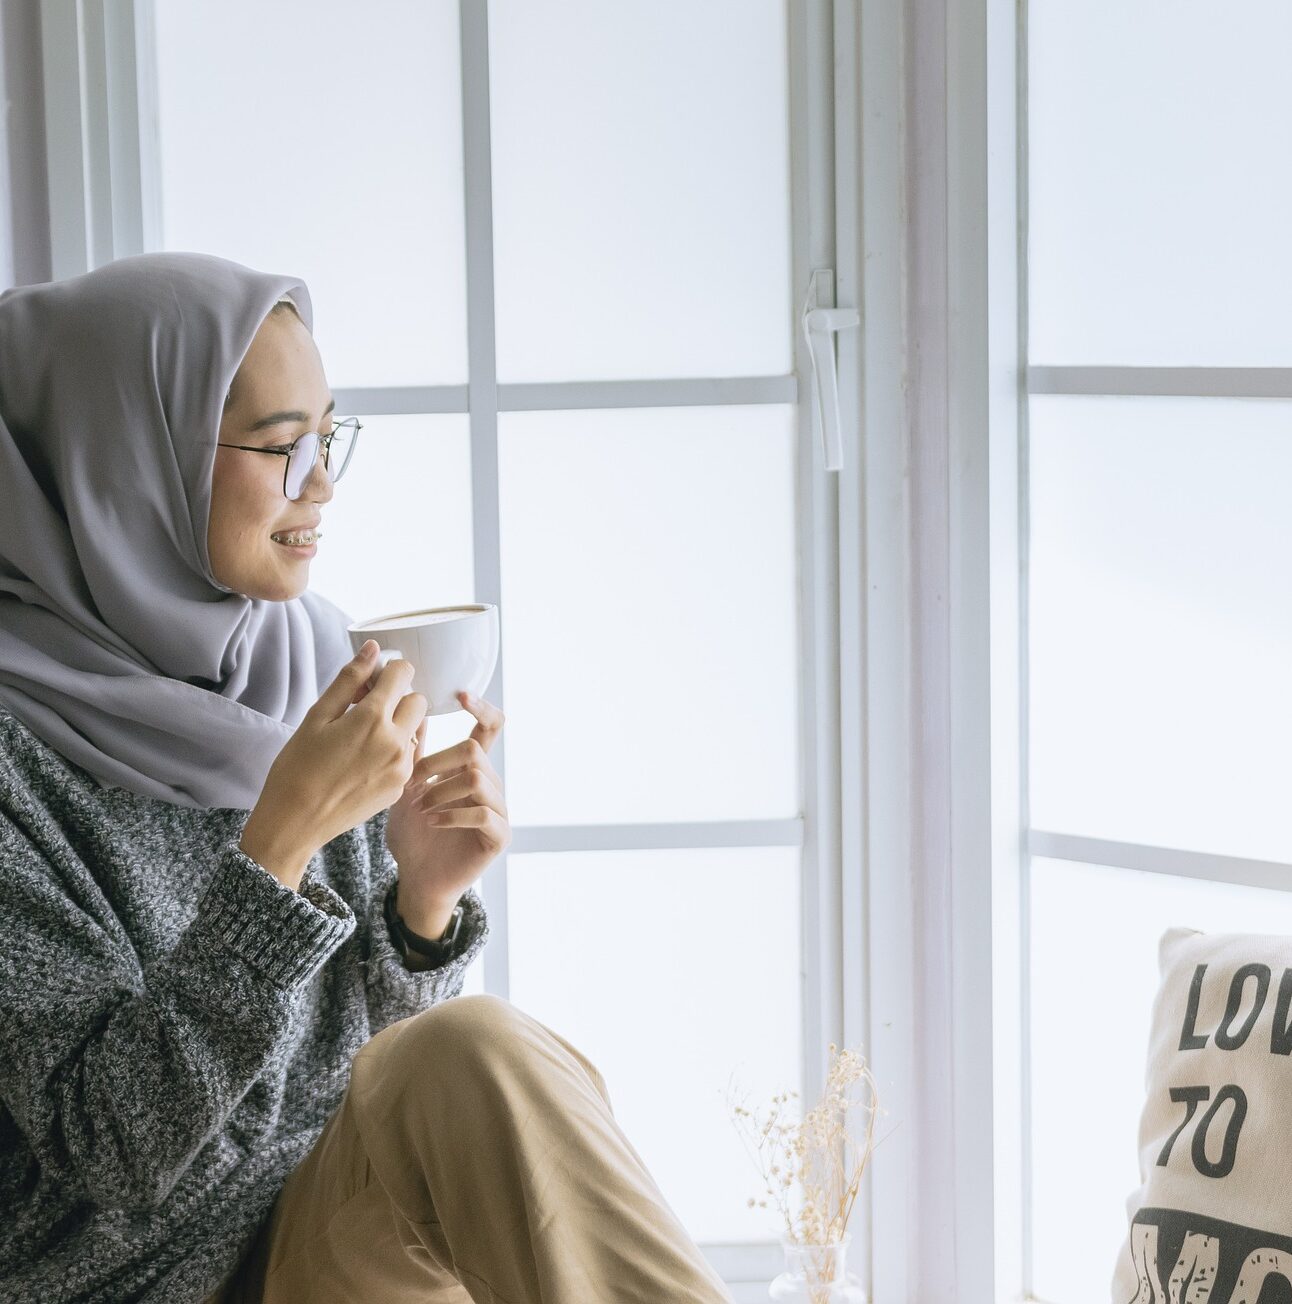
[323, 140]
[1094, 974]
[1158, 209]
[397, 532]
[1161, 621]
[696, 960]
[473, 980]
[641, 188]
[650, 613]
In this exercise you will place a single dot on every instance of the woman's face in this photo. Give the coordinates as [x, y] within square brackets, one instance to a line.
[279, 393]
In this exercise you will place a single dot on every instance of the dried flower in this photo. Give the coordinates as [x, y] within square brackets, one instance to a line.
[811, 1156]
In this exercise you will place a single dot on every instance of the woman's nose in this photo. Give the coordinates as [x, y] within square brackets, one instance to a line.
[318, 488]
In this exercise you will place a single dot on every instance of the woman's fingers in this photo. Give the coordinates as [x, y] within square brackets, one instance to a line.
[476, 817]
[489, 716]
[452, 759]
[469, 787]
[390, 684]
[418, 742]
[466, 788]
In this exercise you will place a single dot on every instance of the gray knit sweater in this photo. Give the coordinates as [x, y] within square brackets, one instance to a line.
[176, 1027]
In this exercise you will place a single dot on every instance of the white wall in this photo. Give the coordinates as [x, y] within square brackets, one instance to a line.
[24, 197]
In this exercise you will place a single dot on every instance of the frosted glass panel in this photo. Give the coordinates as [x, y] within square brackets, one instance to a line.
[323, 140]
[1161, 621]
[649, 603]
[1094, 974]
[1158, 209]
[397, 531]
[677, 974]
[473, 980]
[640, 188]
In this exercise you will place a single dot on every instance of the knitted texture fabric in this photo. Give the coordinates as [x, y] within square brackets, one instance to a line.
[176, 1026]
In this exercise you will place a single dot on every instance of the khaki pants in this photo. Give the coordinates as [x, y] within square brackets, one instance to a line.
[474, 1156]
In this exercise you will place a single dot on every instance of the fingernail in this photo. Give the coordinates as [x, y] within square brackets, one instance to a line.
[368, 648]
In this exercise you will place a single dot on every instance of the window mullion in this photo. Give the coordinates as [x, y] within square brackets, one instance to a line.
[97, 64]
[1171, 382]
[482, 402]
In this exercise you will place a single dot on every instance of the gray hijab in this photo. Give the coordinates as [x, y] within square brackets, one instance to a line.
[118, 646]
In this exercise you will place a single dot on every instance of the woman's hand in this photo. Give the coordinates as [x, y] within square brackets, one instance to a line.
[349, 758]
[450, 823]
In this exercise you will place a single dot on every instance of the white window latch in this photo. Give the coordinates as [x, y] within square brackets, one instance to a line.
[819, 327]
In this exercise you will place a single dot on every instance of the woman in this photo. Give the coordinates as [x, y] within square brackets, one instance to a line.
[224, 1074]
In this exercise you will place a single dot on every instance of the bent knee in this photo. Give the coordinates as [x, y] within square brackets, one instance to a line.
[466, 1025]
[472, 1008]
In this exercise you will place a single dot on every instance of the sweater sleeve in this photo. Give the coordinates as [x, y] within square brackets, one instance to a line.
[118, 1076]
[394, 991]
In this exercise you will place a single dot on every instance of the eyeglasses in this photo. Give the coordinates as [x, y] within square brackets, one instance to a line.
[303, 452]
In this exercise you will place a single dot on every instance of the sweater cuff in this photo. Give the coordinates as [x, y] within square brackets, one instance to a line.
[423, 987]
[284, 935]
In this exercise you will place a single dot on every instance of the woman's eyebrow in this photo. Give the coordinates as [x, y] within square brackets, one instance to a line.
[282, 418]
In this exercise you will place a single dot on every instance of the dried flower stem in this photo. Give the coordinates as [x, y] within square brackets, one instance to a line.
[811, 1156]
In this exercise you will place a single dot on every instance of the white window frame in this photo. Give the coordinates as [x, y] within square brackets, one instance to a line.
[959, 1234]
[100, 116]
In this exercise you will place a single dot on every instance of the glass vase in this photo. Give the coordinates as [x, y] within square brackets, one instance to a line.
[817, 1274]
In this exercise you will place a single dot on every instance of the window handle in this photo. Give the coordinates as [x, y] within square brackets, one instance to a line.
[819, 327]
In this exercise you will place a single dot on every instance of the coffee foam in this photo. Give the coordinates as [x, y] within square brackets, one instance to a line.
[418, 618]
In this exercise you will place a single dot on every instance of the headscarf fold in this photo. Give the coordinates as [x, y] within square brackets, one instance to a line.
[118, 646]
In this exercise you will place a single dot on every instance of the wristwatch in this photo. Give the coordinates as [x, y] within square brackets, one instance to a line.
[438, 949]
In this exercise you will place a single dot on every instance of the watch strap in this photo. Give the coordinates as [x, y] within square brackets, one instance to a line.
[437, 948]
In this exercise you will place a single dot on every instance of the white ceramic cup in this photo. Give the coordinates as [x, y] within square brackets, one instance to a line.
[452, 649]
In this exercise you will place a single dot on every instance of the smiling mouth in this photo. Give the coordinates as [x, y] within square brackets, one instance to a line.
[298, 539]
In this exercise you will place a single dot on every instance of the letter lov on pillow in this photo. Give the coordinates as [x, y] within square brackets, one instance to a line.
[1212, 1218]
